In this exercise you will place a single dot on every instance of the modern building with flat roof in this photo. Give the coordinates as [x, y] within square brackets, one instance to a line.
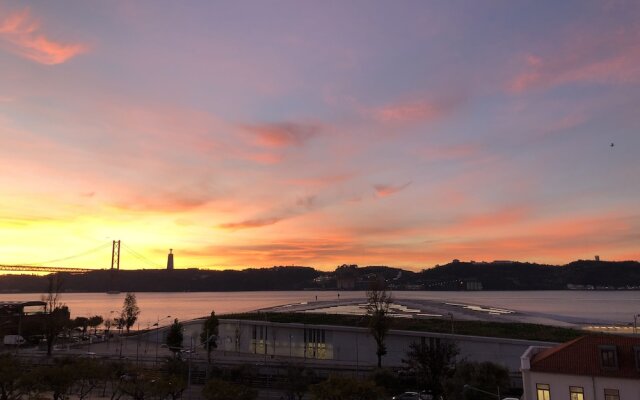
[352, 346]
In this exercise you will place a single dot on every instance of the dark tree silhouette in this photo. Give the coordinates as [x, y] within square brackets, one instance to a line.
[130, 311]
[209, 334]
[433, 364]
[175, 337]
[378, 302]
[57, 314]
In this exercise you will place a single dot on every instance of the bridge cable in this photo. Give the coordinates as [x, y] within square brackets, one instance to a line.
[141, 257]
[84, 253]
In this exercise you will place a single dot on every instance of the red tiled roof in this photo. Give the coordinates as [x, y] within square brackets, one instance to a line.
[582, 357]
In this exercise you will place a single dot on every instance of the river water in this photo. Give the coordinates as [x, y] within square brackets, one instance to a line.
[610, 307]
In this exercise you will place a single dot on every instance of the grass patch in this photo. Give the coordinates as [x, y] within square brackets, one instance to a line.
[508, 330]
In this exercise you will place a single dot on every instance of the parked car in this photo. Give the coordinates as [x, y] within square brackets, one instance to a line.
[13, 340]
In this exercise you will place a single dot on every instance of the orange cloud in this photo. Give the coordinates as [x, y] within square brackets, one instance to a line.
[383, 190]
[21, 34]
[502, 217]
[327, 250]
[251, 223]
[283, 134]
[553, 240]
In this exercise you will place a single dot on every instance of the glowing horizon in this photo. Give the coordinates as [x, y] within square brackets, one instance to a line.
[259, 134]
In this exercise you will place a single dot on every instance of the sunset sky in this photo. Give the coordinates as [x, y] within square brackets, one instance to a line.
[259, 133]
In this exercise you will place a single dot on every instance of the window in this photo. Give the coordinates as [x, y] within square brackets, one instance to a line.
[611, 394]
[608, 357]
[543, 391]
[314, 336]
[576, 393]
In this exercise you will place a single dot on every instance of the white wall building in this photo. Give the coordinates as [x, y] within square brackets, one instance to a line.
[352, 346]
[597, 367]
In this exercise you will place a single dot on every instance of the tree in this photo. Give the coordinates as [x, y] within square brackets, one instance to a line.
[58, 378]
[175, 374]
[486, 376]
[378, 302]
[57, 314]
[95, 322]
[139, 384]
[107, 327]
[432, 364]
[89, 374]
[217, 389]
[11, 385]
[344, 388]
[169, 385]
[175, 336]
[390, 381]
[130, 311]
[298, 381]
[209, 334]
[81, 322]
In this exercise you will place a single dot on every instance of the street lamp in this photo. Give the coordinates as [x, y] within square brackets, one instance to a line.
[469, 387]
[157, 325]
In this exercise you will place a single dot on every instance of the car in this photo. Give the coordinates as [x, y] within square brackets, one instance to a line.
[407, 396]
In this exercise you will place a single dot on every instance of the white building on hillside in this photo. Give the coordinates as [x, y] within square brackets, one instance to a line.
[596, 367]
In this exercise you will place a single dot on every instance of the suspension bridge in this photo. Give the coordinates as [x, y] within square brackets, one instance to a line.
[57, 265]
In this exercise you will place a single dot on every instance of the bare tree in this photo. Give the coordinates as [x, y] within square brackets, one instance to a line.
[57, 314]
[378, 302]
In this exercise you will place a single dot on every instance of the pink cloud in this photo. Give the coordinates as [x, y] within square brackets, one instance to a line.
[450, 152]
[583, 58]
[319, 182]
[408, 112]
[383, 190]
[414, 111]
[283, 134]
[20, 33]
[262, 158]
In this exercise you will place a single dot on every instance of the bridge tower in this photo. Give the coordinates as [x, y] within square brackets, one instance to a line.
[115, 266]
[115, 255]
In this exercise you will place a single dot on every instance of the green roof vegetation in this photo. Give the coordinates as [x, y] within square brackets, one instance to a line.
[508, 330]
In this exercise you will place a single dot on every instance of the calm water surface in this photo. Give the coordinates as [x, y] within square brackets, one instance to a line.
[576, 306]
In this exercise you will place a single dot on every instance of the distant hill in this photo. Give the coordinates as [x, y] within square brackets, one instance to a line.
[497, 275]
[508, 275]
